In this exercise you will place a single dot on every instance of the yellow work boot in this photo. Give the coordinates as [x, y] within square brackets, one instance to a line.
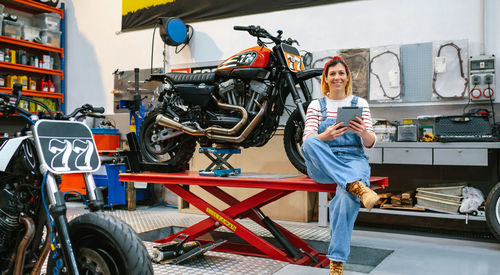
[367, 196]
[336, 268]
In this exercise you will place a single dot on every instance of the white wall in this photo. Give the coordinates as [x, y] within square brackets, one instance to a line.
[94, 50]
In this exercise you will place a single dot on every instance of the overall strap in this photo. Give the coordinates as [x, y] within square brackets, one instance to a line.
[354, 101]
[322, 104]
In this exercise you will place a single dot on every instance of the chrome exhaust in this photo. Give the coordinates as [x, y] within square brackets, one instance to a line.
[212, 132]
[25, 242]
[170, 123]
[247, 130]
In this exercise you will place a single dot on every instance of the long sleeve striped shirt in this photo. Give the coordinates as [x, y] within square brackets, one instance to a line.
[313, 115]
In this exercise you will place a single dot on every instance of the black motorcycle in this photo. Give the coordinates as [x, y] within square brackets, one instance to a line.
[32, 209]
[238, 105]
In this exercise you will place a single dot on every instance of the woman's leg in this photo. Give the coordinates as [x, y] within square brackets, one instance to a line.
[343, 209]
[323, 166]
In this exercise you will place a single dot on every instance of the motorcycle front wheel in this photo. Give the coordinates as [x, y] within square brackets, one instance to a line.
[104, 245]
[175, 151]
[294, 129]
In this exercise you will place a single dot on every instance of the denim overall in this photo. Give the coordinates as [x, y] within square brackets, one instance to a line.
[340, 161]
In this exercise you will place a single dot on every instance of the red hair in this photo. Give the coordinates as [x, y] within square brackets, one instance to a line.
[332, 62]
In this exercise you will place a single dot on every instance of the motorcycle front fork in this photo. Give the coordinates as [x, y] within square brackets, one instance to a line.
[57, 209]
[295, 94]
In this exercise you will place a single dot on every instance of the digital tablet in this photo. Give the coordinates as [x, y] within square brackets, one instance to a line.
[347, 114]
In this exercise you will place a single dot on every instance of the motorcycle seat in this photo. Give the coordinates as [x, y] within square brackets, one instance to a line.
[183, 78]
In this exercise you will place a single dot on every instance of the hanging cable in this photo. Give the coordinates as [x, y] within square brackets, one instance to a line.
[153, 46]
[468, 101]
[52, 237]
[191, 32]
[378, 77]
[460, 61]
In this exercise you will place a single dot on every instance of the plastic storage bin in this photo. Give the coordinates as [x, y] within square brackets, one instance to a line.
[31, 33]
[52, 38]
[49, 21]
[11, 29]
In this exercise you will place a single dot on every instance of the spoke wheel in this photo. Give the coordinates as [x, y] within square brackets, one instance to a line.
[176, 150]
[103, 245]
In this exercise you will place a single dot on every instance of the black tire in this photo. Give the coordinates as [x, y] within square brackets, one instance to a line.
[106, 244]
[493, 211]
[175, 151]
[292, 139]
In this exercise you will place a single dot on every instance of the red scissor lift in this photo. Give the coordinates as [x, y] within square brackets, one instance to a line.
[295, 250]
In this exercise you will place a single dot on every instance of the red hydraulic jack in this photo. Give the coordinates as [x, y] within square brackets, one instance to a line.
[295, 250]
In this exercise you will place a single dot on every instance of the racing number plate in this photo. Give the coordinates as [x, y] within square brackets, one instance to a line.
[66, 146]
[292, 57]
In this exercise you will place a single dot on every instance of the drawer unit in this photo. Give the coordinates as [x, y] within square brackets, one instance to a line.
[408, 156]
[473, 157]
[374, 155]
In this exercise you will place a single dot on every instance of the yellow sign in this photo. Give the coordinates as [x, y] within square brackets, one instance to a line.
[221, 219]
[135, 5]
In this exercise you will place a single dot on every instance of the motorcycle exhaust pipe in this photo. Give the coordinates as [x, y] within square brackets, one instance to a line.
[45, 251]
[247, 130]
[23, 245]
[170, 123]
[167, 122]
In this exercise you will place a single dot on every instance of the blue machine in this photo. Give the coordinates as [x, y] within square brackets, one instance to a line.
[220, 167]
[114, 188]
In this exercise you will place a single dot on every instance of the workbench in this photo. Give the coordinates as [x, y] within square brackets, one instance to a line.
[296, 250]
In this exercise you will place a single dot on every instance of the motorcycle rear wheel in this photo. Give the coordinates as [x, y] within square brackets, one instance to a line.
[292, 139]
[105, 245]
[175, 151]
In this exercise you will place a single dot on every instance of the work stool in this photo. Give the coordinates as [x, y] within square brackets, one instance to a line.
[220, 166]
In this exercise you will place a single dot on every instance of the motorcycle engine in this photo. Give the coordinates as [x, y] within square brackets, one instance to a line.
[244, 94]
[15, 196]
[11, 205]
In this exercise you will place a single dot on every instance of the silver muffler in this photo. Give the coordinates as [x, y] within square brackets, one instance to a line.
[216, 133]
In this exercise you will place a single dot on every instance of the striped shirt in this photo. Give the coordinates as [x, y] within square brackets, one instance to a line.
[314, 117]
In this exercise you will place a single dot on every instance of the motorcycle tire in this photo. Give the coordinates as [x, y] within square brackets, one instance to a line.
[493, 211]
[105, 245]
[292, 139]
[176, 151]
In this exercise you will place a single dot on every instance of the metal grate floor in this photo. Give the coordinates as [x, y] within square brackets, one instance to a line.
[147, 219]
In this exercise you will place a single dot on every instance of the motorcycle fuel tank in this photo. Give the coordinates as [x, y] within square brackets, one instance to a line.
[247, 64]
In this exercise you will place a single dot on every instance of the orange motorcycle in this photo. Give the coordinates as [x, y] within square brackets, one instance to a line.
[238, 105]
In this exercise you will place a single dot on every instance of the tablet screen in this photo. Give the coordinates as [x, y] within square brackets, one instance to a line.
[347, 114]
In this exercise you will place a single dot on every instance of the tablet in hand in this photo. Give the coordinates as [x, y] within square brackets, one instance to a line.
[346, 114]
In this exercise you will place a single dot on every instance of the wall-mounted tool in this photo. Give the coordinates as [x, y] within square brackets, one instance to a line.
[482, 77]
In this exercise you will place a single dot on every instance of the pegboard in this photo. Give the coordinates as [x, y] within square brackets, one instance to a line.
[416, 64]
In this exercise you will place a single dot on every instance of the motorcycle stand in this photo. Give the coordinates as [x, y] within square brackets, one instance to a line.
[219, 167]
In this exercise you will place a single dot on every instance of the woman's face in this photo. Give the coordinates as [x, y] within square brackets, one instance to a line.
[336, 78]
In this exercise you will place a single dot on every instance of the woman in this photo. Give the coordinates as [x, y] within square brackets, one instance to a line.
[334, 156]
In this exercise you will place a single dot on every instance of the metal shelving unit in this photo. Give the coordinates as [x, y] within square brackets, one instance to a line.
[33, 7]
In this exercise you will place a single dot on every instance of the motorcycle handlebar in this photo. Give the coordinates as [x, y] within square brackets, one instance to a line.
[241, 28]
[8, 107]
[259, 32]
[99, 110]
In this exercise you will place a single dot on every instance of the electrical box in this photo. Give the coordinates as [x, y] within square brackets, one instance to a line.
[482, 77]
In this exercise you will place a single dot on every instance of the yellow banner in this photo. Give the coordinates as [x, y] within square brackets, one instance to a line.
[135, 5]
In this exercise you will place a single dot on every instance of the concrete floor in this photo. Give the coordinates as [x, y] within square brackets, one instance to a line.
[413, 254]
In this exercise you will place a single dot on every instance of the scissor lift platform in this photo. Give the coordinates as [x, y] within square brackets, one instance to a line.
[295, 250]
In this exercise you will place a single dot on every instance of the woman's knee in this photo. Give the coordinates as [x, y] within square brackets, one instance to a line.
[311, 143]
[346, 199]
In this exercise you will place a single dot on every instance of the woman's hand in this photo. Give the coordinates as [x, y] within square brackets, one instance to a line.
[359, 128]
[333, 132]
